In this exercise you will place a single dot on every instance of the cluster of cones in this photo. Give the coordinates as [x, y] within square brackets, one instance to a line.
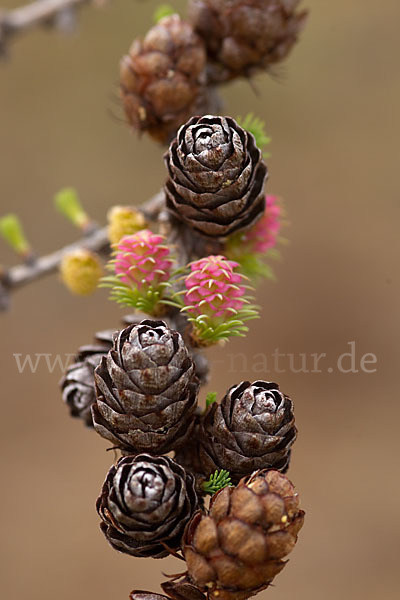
[171, 74]
[139, 388]
[143, 397]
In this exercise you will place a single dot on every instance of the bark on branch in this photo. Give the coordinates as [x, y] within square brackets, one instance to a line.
[95, 240]
[55, 13]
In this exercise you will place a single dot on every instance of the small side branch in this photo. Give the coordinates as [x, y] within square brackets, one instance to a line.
[96, 240]
[55, 13]
[20, 275]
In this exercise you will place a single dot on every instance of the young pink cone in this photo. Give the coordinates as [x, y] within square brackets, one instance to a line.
[251, 247]
[142, 267]
[264, 234]
[215, 300]
[213, 288]
[142, 260]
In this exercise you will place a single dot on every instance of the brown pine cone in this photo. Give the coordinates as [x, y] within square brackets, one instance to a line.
[144, 595]
[216, 177]
[238, 549]
[243, 36]
[146, 390]
[145, 504]
[181, 590]
[253, 428]
[163, 79]
[77, 385]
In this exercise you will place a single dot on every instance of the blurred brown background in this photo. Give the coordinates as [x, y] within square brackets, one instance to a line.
[333, 117]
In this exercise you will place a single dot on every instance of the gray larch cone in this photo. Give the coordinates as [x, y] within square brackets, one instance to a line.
[146, 390]
[253, 428]
[216, 177]
[77, 385]
[145, 504]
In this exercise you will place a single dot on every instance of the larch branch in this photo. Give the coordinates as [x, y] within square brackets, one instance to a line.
[96, 240]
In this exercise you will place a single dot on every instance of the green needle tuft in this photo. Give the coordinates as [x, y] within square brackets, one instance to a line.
[257, 127]
[217, 481]
[211, 398]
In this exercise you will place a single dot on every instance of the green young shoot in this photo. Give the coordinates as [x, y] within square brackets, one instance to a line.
[12, 232]
[252, 265]
[164, 10]
[217, 481]
[68, 204]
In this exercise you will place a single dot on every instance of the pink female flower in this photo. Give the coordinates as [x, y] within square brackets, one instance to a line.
[142, 261]
[214, 289]
[264, 234]
[215, 302]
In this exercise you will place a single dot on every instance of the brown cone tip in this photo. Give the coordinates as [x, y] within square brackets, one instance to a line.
[238, 548]
[182, 590]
